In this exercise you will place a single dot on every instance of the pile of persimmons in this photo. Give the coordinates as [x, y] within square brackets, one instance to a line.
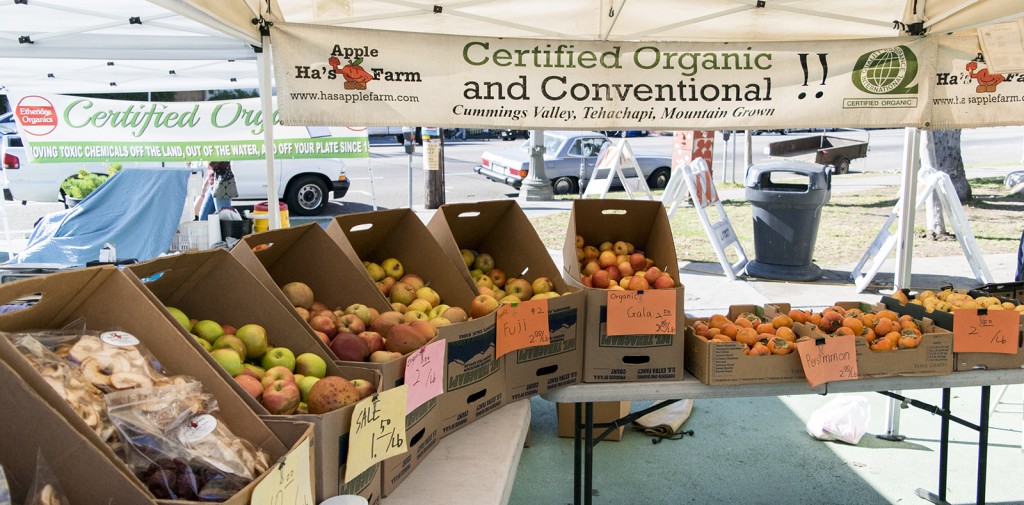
[883, 330]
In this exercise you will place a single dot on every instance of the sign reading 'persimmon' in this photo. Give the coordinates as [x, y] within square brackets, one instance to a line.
[644, 312]
[828, 359]
[985, 331]
[522, 325]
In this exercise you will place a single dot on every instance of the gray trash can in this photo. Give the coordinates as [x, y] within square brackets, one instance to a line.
[787, 197]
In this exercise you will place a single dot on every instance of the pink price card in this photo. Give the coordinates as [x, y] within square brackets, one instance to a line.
[424, 374]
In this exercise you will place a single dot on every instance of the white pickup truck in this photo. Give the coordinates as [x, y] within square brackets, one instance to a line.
[305, 185]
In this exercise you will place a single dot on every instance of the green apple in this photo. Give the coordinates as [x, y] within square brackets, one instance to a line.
[438, 310]
[305, 384]
[375, 271]
[253, 370]
[484, 262]
[311, 365]
[361, 311]
[208, 330]
[229, 360]
[467, 257]
[233, 343]
[180, 317]
[279, 356]
[203, 343]
[255, 339]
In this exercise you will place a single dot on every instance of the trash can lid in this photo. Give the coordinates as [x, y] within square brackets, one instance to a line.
[759, 174]
[264, 206]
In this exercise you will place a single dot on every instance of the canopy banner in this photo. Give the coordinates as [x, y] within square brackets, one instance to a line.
[347, 76]
[62, 128]
[966, 94]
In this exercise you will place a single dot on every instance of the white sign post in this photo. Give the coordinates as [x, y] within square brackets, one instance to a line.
[931, 182]
[619, 161]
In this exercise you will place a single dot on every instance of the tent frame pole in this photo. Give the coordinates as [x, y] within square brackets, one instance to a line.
[266, 103]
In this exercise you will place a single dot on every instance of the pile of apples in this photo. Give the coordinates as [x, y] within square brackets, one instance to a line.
[496, 287]
[619, 266]
[762, 337]
[281, 381]
[361, 333]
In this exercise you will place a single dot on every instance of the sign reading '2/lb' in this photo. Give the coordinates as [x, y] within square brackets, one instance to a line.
[645, 312]
[985, 331]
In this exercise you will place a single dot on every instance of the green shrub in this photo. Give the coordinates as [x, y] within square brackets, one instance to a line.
[83, 183]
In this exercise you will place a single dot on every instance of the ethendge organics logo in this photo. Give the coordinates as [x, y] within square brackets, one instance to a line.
[37, 115]
[889, 71]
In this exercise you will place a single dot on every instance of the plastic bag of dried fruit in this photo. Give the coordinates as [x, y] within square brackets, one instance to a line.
[45, 488]
[5, 490]
[178, 447]
[83, 397]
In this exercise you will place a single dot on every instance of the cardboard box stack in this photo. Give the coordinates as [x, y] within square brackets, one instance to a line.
[306, 254]
[642, 357]
[474, 377]
[214, 285]
[105, 299]
[502, 230]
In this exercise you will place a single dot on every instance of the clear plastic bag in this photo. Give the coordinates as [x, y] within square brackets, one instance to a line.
[45, 488]
[178, 448]
[5, 489]
[844, 418]
[84, 398]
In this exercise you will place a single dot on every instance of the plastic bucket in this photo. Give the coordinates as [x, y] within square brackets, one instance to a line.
[235, 229]
[262, 221]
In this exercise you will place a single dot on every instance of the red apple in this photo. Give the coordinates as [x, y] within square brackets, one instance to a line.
[591, 267]
[637, 283]
[383, 323]
[625, 269]
[652, 274]
[277, 373]
[349, 347]
[613, 273]
[483, 305]
[374, 341]
[351, 323]
[323, 337]
[331, 393]
[638, 261]
[281, 397]
[251, 385]
[664, 281]
[606, 259]
[324, 325]
[601, 280]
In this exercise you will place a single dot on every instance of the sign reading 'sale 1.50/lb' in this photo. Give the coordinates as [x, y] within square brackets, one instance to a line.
[61, 129]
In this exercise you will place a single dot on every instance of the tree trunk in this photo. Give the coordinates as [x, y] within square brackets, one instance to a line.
[941, 151]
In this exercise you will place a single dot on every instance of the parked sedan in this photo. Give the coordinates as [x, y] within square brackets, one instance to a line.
[564, 152]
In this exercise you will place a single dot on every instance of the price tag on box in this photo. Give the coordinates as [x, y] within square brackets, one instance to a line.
[980, 330]
[522, 325]
[827, 359]
[377, 431]
[646, 312]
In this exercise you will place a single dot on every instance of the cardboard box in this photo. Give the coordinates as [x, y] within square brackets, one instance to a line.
[501, 229]
[630, 357]
[604, 412]
[214, 285]
[724, 363]
[965, 360]
[85, 473]
[474, 378]
[933, 357]
[107, 299]
[306, 254]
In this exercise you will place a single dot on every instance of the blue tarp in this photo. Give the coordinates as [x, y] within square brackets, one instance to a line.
[137, 210]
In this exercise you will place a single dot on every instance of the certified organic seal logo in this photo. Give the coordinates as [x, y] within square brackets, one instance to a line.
[889, 71]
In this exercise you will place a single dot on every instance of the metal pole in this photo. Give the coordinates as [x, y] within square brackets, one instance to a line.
[410, 180]
[536, 187]
[267, 104]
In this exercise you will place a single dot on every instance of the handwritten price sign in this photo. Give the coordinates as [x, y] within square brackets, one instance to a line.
[647, 312]
[424, 374]
[522, 325]
[985, 331]
[828, 359]
[377, 431]
[289, 482]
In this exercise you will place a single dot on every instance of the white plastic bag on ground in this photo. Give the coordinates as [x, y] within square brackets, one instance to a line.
[844, 418]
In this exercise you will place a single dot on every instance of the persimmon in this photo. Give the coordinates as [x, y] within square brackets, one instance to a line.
[713, 332]
[779, 345]
[753, 318]
[729, 330]
[765, 328]
[909, 340]
[834, 308]
[869, 335]
[869, 319]
[786, 333]
[814, 319]
[743, 322]
[781, 320]
[717, 320]
[843, 331]
[883, 344]
[700, 328]
[759, 349]
[721, 338]
[830, 321]
[888, 314]
[909, 324]
[884, 325]
[854, 324]
[799, 315]
[746, 336]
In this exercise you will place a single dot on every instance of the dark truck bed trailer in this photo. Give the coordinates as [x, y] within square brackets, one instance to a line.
[821, 149]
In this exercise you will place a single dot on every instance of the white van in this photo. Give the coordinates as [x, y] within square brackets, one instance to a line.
[306, 185]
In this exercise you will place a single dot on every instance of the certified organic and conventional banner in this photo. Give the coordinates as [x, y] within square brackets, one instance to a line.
[61, 128]
[328, 75]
